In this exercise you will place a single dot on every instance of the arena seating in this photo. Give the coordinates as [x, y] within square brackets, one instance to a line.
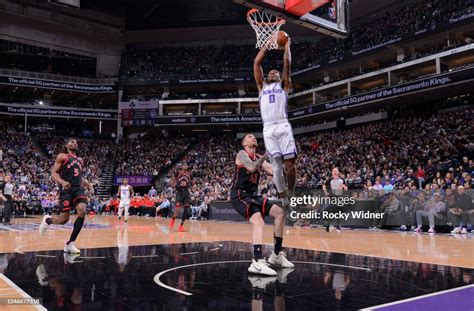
[236, 60]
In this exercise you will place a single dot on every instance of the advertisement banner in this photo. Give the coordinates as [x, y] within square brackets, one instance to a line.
[57, 85]
[134, 181]
[401, 89]
[57, 112]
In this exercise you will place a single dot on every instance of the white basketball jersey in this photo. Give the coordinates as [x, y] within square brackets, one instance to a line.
[125, 193]
[273, 103]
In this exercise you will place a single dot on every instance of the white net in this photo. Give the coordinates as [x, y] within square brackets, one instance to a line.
[266, 28]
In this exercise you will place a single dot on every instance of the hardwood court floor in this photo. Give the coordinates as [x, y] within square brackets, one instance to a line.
[101, 231]
[134, 253]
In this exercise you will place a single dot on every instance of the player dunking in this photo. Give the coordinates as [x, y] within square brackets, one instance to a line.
[67, 172]
[245, 200]
[277, 131]
[183, 198]
[125, 192]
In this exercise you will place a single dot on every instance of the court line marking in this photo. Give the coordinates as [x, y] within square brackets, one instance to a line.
[9, 229]
[332, 264]
[190, 253]
[157, 277]
[417, 298]
[158, 281]
[20, 291]
[47, 256]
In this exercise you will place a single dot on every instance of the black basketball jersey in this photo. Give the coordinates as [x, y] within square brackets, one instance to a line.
[244, 181]
[72, 170]
[183, 181]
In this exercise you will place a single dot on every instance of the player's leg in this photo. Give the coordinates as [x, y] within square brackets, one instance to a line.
[64, 210]
[288, 150]
[290, 168]
[259, 264]
[278, 257]
[127, 207]
[279, 177]
[81, 213]
[248, 208]
[120, 210]
[175, 213]
[186, 202]
[272, 145]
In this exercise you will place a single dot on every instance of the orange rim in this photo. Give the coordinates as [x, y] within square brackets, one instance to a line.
[277, 22]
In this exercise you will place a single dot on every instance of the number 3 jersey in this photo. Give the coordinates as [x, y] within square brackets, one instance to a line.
[273, 103]
[72, 170]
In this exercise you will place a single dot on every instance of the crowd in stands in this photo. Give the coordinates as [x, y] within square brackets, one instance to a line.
[209, 61]
[29, 161]
[423, 157]
[16, 55]
[148, 156]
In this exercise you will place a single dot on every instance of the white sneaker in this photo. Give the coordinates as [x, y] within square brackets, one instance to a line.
[456, 230]
[261, 267]
[44, 225]
[261, 281]
[402, 227]
[71, 249]
[464, 231]
[432, 230]
[280, 260]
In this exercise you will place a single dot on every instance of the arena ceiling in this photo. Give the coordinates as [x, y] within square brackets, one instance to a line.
[159, 14]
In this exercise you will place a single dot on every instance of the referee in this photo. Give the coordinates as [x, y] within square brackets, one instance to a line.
[334, 187]
[6, 188]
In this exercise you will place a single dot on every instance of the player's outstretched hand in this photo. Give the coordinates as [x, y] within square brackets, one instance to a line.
[288, 43]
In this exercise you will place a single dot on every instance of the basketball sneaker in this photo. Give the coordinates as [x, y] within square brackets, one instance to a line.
[456, 230]
[432, 230]
[71, 249]
[261, 281]
[464, 231]
[181, 228]
[171, 223]
[44, 225]
[261, 267]
[280, 260]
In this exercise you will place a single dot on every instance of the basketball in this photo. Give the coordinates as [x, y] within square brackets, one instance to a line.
[282, 39]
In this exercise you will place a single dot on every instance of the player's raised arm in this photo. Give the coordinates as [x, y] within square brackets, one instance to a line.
[58, 165]
[131, 191]
[251, 166]
[286, 75]
[257, 68]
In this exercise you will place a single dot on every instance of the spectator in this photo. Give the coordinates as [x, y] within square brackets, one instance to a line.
[433, 209]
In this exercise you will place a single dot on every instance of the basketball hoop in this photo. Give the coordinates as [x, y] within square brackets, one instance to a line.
[266, 28]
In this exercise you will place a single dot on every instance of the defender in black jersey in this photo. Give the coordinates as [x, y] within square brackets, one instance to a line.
[67, 172]
[183, 198]
[245, 199]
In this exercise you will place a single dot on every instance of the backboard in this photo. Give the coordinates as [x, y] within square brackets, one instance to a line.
[330, 17]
